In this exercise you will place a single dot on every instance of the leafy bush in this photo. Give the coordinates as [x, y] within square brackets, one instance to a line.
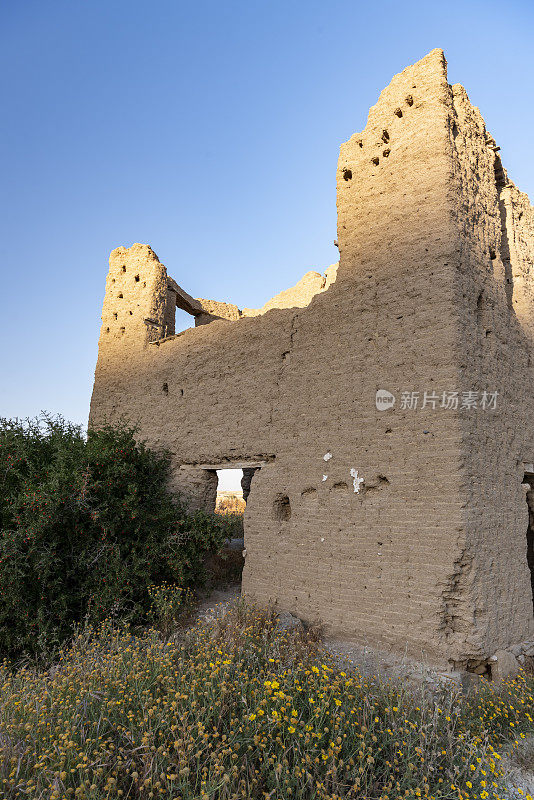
[233, 521]
[87, 524]
[238, 709]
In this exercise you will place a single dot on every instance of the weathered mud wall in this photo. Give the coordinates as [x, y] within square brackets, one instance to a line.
[428, 553]
[495, 301]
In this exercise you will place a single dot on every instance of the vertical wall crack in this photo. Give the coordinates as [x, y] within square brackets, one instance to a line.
[284, 361]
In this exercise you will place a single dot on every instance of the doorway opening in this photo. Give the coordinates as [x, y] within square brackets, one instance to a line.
[529, 479]
[233, 489]
[229, 492]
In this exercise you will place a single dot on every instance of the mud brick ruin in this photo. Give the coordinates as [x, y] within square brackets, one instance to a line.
[404, 526]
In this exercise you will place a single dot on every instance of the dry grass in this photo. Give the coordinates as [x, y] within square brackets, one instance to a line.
[230, 503]
[523, 756]
[241, 710]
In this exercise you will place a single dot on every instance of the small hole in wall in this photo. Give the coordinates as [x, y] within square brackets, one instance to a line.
[385, 136]
[165, 389]
[123, 268]
[409, 100]
[492, 254]
[386, 152]
[107, 330]
[115, 315]
[181, 392]
[341, 486]
[123, 330]
[483, 315]
[131, 313]
[375, 161]
[480, 668]
[113, 280]
[398, 112]
[121, 295]
[360, 143]
[144, 284]
[347, 174]
[281, 508]
[137, 278]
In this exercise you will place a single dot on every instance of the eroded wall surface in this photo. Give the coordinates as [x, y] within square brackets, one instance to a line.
[407, 527]
[494, 299]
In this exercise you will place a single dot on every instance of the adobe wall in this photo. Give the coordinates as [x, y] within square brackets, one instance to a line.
[429, 553]
[495, 299]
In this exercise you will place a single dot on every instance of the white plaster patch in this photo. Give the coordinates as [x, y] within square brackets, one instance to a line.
[322, 538]
[357, 481]
[327, 456]
[325, 477]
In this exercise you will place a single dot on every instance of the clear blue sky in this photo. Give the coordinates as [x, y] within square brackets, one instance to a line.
[209, 130]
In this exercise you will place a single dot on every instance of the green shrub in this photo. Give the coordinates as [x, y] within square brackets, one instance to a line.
[233, 521]
[87, 524]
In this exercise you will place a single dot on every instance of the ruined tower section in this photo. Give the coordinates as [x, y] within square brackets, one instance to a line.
[360, 521]
[403, 526]
[495, 302]
[440, 242]
[138, 309]
[413, 535]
